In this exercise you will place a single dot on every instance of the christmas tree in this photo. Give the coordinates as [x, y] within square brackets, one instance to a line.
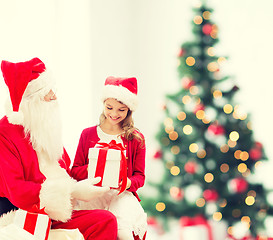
[206, 142]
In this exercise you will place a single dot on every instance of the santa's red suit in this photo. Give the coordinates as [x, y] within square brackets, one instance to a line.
[21, 182]
[29, 178]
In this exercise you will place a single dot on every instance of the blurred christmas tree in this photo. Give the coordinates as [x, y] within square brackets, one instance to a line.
[206, 142]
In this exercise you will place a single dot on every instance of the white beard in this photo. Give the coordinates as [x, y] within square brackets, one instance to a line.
[42, 123]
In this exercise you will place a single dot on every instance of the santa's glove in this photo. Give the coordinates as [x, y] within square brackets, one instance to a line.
[85, 190]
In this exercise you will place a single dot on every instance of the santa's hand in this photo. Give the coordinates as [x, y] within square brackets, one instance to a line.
[85, 190]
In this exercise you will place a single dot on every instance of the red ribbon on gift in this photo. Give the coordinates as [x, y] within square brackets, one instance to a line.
[243, 238]
[197, 220]
[31, 220]
[104, 147]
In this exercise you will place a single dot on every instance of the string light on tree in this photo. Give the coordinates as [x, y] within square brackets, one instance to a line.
[217, 216]
[175, 170]
[211, 51]
[187, 129]
[200, 202]
[181, 116]
[198, 20]
[224, 168]
[208, 177]
[213, 66]
[206, 15]
[160, 206]
[190, 61]
[228, 108]
[175, 150]
[234, 136]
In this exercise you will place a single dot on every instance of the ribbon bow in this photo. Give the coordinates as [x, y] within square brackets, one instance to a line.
[36, 209]
[123, 163]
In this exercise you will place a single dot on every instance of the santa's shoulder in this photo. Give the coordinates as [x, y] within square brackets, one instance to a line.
[9, 129]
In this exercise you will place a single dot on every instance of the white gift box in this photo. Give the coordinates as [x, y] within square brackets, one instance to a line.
[35, 223]
[219, 229]
[65, 234]
[110, 172]
[194, 233]
[212, 230]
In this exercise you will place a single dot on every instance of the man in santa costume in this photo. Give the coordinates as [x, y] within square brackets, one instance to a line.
[34, 166]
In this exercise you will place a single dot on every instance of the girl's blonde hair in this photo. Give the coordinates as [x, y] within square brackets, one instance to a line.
[130, 131]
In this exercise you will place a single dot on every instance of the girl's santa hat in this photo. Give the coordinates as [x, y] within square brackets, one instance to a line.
[24, 79]
[122, 89]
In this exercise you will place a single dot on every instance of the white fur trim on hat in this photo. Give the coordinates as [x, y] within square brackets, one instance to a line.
[41, 85]
[122, 94]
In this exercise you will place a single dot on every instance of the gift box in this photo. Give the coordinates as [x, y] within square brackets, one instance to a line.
[65, 234]
[108, 162]
[249, 237]
[37, 224]
[199, 228]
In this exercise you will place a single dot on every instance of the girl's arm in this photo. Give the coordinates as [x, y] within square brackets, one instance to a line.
[80, 165]
[138, 167]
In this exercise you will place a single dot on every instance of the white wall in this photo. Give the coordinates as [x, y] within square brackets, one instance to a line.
[59, 33]
[85, 41]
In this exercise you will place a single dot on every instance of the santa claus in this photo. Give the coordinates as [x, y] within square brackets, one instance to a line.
[34, 166]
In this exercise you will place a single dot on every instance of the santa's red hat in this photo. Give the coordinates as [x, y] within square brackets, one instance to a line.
[122, 89]
[24, 79]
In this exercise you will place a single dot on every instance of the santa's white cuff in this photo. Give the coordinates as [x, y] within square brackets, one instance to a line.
[55, 197]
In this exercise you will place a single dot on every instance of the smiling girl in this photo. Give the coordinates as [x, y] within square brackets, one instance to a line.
[116, 123]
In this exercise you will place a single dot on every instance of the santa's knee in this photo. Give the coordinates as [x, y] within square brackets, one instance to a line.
[108, 222]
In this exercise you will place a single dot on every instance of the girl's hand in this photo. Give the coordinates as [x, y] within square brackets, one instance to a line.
[128, 185]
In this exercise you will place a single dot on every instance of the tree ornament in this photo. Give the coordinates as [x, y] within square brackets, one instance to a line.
[177, 193]
[216, 129]
[157, 154]
[207, 29]
[255, 154]
[235, 88]
[258, 145]
[238, 185]
[163, 107]
[182, 52]
[192, 193]
[191, 167]
[198, 107]
[210, 195]
[187, 82]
